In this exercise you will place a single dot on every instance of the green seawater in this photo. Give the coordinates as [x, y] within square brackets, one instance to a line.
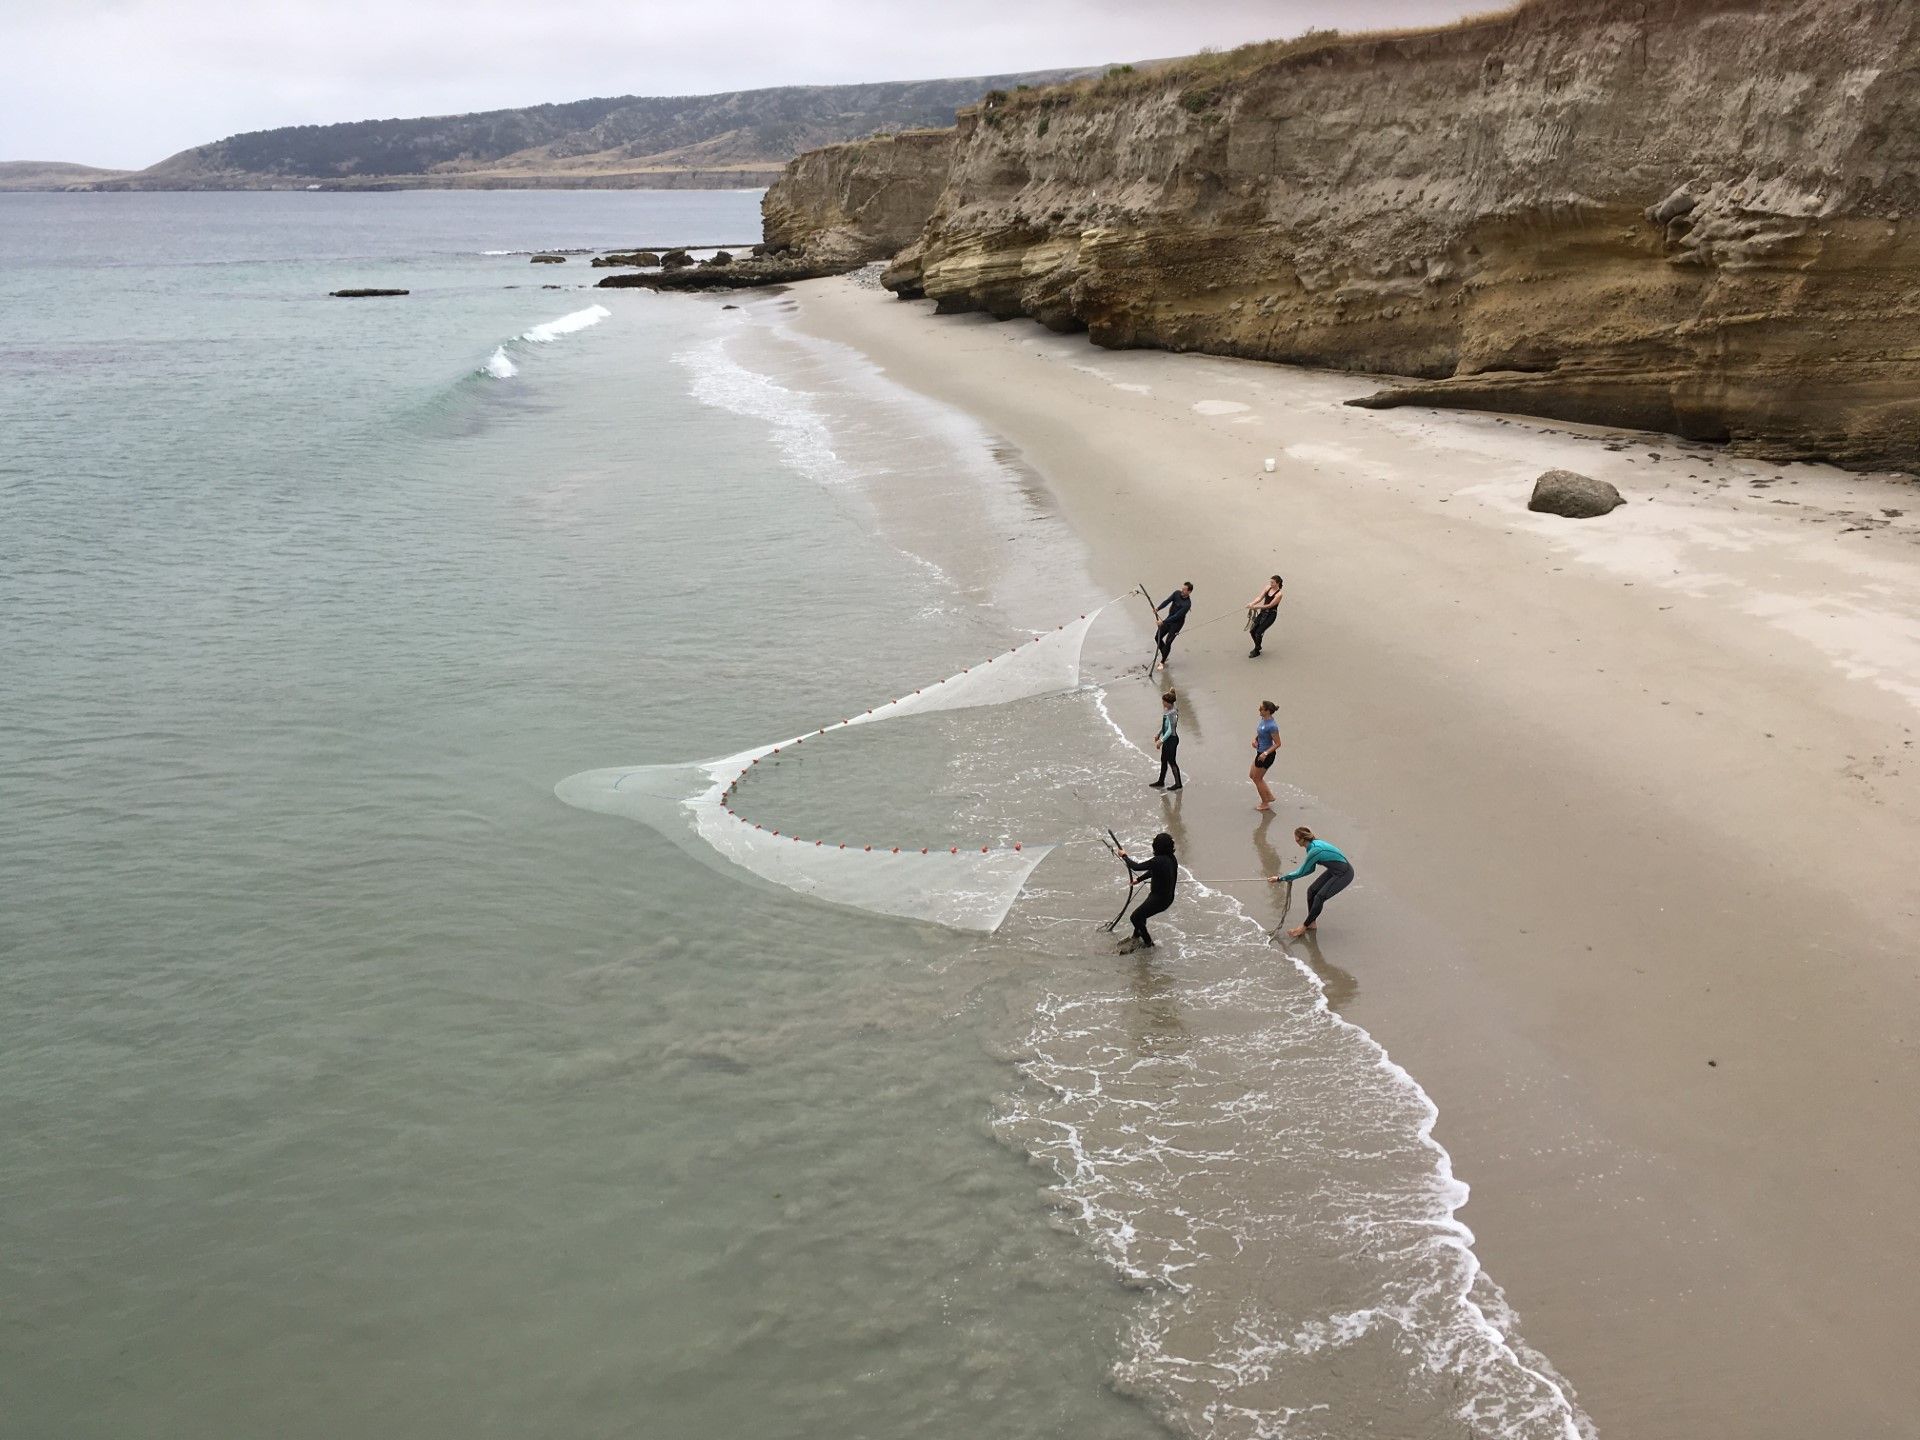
[354, 1085]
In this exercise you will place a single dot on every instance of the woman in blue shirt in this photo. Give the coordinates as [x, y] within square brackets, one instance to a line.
[1266, 744]
[1339, 875]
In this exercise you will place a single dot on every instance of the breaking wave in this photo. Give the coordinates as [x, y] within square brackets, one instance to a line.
[578, 320]
[501, 364]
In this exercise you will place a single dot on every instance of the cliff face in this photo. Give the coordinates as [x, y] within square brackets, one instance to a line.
[1683, 215]
[864, 201]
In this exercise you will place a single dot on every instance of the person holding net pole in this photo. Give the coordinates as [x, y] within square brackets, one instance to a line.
[1320, 854]
[1177, 605]
[1162, 873]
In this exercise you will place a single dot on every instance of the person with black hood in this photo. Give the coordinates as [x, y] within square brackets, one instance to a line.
[1162, 873]
[1176, 605]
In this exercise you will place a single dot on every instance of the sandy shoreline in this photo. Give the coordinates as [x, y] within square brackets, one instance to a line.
[1625, 797]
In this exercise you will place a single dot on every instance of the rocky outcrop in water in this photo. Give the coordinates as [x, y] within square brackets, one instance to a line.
[740, 273]
[1695, 216]
[364, 293]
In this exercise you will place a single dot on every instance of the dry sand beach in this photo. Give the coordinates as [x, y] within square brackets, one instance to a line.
[1634, 806]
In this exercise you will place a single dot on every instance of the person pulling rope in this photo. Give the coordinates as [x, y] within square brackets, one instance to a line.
[1339, 875]
[1161, 874]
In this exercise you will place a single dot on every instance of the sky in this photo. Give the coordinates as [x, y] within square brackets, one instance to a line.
[125, 83]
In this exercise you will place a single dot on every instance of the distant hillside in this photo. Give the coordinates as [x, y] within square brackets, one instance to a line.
[52, 175]
[740, 138]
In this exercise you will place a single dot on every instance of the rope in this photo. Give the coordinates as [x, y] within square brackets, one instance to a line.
[1286, 908]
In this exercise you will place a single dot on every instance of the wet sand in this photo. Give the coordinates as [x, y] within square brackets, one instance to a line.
[1634, 807]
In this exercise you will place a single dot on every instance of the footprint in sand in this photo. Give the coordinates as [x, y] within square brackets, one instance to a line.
[1219, 407]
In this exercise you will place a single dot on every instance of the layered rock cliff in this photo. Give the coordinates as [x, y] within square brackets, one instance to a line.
[1685, 215]
[865, 200]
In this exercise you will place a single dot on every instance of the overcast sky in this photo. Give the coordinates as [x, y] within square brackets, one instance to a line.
[129, 82]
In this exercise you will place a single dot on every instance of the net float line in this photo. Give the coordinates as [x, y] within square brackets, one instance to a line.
[699, 805]
[732, 787]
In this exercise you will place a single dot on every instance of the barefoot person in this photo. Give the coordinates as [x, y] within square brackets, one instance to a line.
[1339, 875]
[1162, 871]
[1176, 605]
[1266, 744]
[1167, 742]
[1261, 613]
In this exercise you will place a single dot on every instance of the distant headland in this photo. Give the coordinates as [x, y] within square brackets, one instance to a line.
[738, 139]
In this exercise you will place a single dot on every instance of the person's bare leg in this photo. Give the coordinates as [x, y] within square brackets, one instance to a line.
[1259, 778]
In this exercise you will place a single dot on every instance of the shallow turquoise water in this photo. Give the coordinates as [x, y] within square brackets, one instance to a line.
[354, 1084]
[357, 1085]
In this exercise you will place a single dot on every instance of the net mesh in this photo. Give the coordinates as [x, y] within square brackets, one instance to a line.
[705, 806]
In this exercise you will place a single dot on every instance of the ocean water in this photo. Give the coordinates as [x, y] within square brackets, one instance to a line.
[355, 1084]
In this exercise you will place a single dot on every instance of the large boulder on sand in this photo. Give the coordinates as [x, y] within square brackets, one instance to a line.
[1578, 497]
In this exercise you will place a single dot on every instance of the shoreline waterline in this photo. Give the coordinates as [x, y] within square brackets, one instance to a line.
[1567, 1054]
[915, 508]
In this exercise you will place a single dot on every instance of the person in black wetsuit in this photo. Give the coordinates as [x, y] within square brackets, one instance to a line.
[1167, 742]
[1261, 613]
[1162, 872]
[1176, 605]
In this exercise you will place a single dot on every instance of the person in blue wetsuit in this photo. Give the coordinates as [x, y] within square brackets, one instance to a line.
[1339, 875]
[1162, 872]
[1176, 605]
[1167, 742]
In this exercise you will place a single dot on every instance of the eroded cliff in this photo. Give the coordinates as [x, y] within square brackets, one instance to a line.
[864, 200]
[1683, 215]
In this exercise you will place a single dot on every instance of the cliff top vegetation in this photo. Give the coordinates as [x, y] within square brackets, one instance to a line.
[1202, 73]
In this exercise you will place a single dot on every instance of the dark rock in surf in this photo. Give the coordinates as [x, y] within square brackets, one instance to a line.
[720, 257]
[364, 293]
[547, 260]
[741, 274]
[628, 257]
[1576, 496]
[673, 260]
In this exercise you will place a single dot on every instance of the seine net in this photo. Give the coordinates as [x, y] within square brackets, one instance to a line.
[707, 805]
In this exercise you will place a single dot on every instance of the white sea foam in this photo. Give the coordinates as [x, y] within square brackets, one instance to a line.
[578, 320]
[1255, 1135]
[500, 365]
[1261, 1128]
[800, 432]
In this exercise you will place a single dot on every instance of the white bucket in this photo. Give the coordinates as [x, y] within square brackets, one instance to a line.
[1268, 463]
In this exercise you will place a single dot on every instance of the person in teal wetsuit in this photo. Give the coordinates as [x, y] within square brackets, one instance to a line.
[1339, 875]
